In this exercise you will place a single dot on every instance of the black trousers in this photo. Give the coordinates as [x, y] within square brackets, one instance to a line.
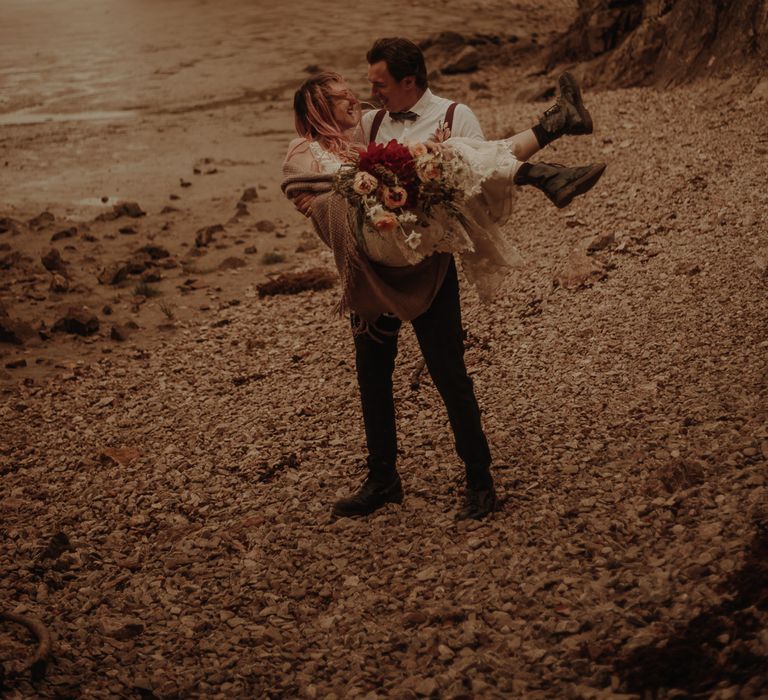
[440, 336]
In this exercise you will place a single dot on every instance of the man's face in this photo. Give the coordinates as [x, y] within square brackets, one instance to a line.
[393, 95]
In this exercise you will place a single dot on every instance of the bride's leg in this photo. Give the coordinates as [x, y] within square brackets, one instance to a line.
[523, 145]
[567, 116]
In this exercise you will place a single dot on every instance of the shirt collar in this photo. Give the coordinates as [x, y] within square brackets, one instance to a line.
[421, 106]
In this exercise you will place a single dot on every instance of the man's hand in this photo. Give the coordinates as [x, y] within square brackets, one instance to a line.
[303, 202]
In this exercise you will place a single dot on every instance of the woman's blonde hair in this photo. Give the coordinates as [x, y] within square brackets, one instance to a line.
[313, 113]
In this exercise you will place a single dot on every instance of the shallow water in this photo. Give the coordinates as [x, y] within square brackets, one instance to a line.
[117, 56]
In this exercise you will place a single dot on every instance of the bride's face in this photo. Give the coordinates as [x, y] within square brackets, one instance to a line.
[346, 108]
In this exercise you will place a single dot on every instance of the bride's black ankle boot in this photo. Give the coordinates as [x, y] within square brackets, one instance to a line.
[559, 183]
[567, 116]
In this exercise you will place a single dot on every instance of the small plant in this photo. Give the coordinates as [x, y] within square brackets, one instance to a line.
[272, 258]
[167, 310]
[144, 289]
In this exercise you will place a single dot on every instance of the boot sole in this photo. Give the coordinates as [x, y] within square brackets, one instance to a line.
[341, 512]
[585, 183]
[570, 82]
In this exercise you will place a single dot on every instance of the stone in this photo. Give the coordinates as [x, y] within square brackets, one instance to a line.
[687, 268]
[122, 629]
[78, 320]
[114, 273]
[232, 263]
[64, 233]
[467, 61]
[579, 270]
[53, 262]
[14, 330]
[156, 252]
[11, 260]
[122, 331]
[41, 220]
[9, 225]
[249, 195]
[265, 226]
[59, 284]
[16, 364]
[130, 209]
[205, 235]
[600, 242]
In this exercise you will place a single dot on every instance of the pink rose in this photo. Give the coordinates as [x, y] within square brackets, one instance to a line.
[364, 183]
[385, 222]
[417, 149]
[428, 169]
[394, 197]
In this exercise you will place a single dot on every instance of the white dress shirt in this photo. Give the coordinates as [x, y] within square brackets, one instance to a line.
[431, 111]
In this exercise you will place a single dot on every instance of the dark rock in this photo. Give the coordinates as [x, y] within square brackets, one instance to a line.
[295, 282]
[16, 364]
[265, 226]
[169, 209]
[79, 320]
[249, 195]
[53, 262]
[64, 233]
[687, 268]
[114, 273]
[106, 310]
[10, 260]
[130, 209]
[14, 330]
[232, 263]
[8, 225]
[185, 183]
[155, 252]
[467, 61]
[127, 230]
[600, 242]
[59, 283]
[151, 277]
[138, 263]
[579, 270]
[41, 220]
[251, 250]
[242, 209]
[120, 332]
[205, 235]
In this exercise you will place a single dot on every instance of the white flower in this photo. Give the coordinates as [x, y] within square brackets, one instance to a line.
[364, 183]
[413, 239]
[407, 217]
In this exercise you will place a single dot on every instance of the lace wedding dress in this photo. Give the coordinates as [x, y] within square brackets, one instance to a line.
[485, 253]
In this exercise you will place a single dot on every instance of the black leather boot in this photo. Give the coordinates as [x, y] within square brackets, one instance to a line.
[378, 489]
[568, 115]
[478, 503]
[559, 183]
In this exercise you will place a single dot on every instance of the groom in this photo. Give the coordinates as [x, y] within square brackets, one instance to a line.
[412, 113]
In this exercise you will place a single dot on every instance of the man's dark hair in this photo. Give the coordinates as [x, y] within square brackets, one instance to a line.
[403, 58]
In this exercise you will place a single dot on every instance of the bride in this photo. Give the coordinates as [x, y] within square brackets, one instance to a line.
[386, 273]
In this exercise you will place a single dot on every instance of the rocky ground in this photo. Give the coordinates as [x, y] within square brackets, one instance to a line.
[165, 494]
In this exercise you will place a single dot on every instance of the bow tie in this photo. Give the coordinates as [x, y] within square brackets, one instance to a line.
[403, 116]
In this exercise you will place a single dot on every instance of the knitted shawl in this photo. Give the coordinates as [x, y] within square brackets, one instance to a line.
[368, 289]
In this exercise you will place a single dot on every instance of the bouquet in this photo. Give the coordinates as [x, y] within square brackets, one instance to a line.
[394, 187]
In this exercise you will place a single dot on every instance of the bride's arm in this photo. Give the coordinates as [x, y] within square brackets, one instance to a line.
[299, 159]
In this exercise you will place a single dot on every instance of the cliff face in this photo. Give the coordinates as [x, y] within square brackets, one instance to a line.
[663, 42]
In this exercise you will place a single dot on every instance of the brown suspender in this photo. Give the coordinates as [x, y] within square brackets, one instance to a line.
[376, 124]
[380, 117]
